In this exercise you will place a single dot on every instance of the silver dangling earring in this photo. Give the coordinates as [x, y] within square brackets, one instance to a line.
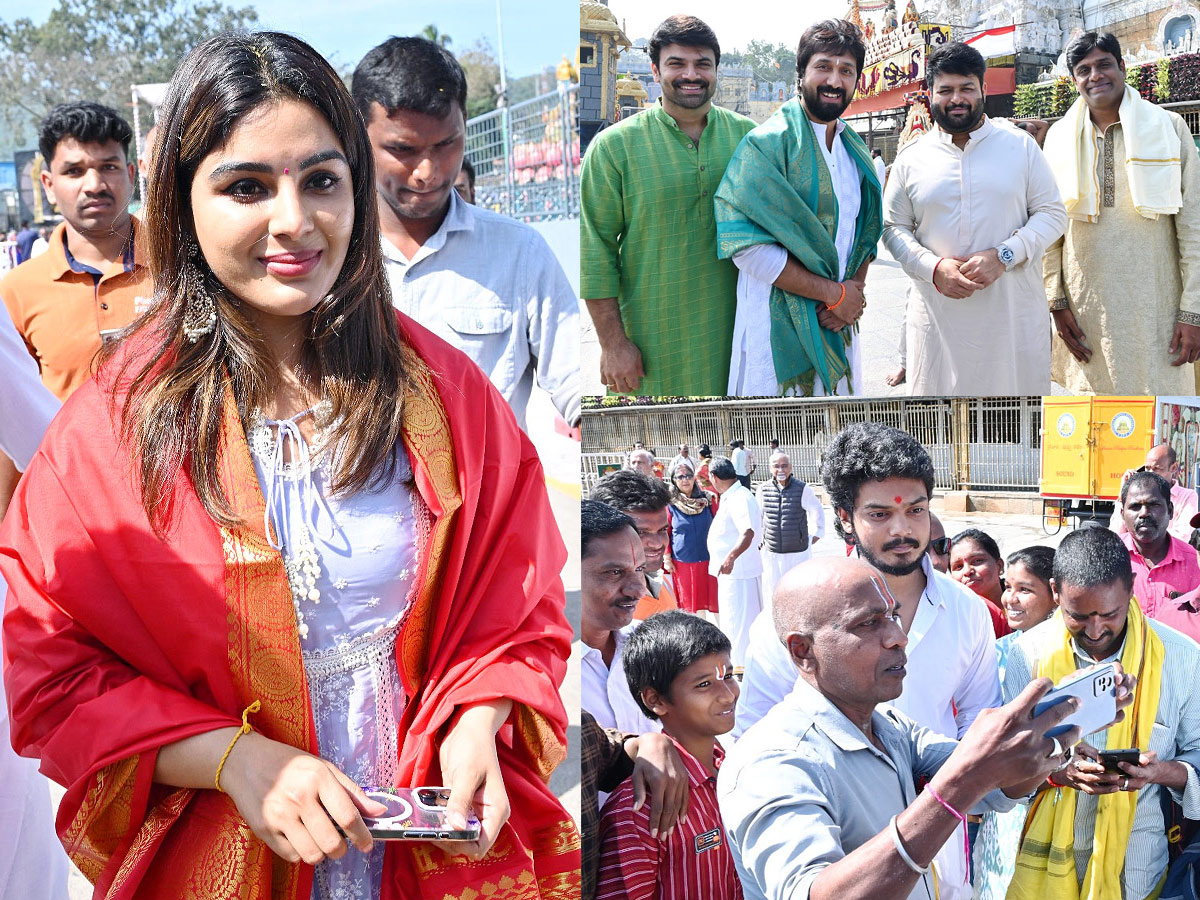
[200, 317]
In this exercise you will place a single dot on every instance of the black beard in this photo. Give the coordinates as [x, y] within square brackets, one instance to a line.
[949, 126]
[888, 568]
[820, 108]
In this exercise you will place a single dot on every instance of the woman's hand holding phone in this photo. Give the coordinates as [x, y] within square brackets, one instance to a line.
[471, 769]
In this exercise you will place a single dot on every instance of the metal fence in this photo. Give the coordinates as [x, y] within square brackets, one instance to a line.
[990, 443]
[526, 157]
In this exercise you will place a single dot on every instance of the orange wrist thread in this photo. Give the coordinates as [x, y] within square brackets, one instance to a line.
[841, 298]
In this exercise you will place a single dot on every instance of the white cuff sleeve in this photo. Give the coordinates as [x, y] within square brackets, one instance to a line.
[762, 262]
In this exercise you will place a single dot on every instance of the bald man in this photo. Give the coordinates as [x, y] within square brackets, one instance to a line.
[819, 797]
[641, 460]
[1162, 460]
[792, 521]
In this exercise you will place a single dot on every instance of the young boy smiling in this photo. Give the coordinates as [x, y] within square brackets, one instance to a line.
[679, 671]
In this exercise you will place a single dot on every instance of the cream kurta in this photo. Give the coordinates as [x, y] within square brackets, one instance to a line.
[1128, 280]
[944, 202]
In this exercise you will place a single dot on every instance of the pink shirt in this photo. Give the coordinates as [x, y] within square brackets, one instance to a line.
[1182, 614]
[1183, 507]
[1159, 586]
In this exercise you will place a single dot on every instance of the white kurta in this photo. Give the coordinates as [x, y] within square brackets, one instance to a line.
[739, 594]
[751, 369]
[943, 202]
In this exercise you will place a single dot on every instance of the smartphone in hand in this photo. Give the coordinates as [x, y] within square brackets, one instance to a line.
[416, 814]
[1110, 759]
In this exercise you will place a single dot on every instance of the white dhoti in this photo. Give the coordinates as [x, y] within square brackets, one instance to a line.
[739, 601]
[774, 566]
[33, 864]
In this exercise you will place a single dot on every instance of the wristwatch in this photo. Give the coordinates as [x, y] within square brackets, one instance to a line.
[1006, 256]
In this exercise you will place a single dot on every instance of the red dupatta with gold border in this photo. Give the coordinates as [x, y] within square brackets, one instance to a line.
[117, 643]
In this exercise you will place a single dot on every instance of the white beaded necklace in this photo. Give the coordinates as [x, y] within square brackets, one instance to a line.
[301, 561]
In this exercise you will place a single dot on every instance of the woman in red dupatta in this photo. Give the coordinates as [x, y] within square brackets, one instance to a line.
[149, 613]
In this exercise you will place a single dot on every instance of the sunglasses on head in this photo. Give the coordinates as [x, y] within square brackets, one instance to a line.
[940, 546]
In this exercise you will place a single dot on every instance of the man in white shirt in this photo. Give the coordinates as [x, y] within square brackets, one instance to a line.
[969, 209]
[733, 557]
[1162, 460]
[614, 571]
[879, 481]
[792, 521]
[740, 457]
[487, 284]
[32, 862]
[799, 213]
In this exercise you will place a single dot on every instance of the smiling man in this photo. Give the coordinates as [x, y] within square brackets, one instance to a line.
[1118, 845]
[647, 235]
[969, 209]
[799, 213]
[488, 284]
[613, 575]
[644, 499]
[1129, 174]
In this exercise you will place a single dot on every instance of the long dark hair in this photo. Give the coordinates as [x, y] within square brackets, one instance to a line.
[174, 396]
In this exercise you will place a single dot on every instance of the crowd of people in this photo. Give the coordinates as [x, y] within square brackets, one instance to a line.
[1008, 235]
[864, 724]
[285, 539]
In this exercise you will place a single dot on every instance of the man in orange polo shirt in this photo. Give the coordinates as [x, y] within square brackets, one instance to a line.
[87, 286]
[644, 499]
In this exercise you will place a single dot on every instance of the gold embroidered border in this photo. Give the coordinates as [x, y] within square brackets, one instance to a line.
[427, 434]
[103, 818]
[157, 823]
[544, 747]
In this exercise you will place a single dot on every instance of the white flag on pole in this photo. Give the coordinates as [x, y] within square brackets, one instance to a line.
[995, 42]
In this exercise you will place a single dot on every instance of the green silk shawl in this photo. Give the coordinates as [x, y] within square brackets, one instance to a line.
[778, 190]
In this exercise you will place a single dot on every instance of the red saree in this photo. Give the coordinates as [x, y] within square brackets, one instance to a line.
[117, 643]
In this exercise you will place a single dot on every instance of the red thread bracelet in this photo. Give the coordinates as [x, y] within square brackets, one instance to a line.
[840, 299]
[932, 277]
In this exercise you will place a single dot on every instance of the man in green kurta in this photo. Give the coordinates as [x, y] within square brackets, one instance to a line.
[661, 301]
[1124, 281]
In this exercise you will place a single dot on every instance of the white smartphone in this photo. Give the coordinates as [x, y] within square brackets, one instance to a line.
[1096, 689]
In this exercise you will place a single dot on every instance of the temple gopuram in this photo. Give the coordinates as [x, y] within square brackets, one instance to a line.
[601, 40]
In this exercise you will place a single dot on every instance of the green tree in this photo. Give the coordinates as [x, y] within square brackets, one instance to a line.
[97, 49]
[769, 62]
[483, 77]
[431, 32]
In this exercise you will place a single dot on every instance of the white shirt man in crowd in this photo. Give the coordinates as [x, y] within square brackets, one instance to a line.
[487, 284]
[969, 209]
[879, 481]
[614, 577]
[733, 557]
[792, 521]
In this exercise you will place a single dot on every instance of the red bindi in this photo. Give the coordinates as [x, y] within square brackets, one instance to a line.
[898, 499]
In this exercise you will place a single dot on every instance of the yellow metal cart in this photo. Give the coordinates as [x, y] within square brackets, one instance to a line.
[1088, 443]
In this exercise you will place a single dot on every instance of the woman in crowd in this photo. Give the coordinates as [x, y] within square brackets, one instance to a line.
[1028, 601]
[702, 471]
[976, 562]
[691, 513]
[286, 545]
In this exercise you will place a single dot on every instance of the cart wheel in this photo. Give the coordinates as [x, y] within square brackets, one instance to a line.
[1052, 516]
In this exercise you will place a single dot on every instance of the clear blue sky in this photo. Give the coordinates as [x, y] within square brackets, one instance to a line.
[536, 32]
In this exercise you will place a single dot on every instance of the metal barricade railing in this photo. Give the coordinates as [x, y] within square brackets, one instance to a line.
[991, 443]
[526, 157]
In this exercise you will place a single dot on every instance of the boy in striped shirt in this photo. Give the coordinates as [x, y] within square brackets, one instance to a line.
[679, 671]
